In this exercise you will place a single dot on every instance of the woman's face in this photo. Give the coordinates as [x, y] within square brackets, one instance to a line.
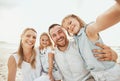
[44, 41]
[29, 39]
[71, 25]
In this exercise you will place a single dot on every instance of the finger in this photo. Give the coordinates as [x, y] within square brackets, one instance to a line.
[103, 55]
[101, 59]
[105, 59]
[98, 51]
[99, 55]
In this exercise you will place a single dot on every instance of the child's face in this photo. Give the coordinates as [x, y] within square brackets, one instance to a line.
[71, 25]
[44, 41]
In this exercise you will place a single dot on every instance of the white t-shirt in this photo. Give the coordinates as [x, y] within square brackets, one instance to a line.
[71, 64]
[45, 64]
[44, 58]
[28, 73]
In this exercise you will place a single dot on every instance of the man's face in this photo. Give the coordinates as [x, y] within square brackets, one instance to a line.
[58, 36]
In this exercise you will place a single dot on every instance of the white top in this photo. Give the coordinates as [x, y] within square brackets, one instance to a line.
[44, 59]
[71, 64]
[85, 49]
[28, 73]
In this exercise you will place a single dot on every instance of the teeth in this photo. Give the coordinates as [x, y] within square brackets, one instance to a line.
[30, 43]
[59, 40]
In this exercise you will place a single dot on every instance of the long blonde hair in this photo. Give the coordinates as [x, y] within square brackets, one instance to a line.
[21, 53]
[50, 42]
[81, 22]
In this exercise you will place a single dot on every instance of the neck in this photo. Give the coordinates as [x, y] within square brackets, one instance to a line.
[27, 53]
[63, 48]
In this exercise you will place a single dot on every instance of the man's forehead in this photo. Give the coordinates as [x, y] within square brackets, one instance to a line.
[55, 29]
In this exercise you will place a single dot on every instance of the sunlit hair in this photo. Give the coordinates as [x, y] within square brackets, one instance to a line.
[21, 53]
[50, 42]
[81, 22]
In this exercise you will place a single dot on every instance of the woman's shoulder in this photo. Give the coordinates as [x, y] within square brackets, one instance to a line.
[14, 56]
[12, 59]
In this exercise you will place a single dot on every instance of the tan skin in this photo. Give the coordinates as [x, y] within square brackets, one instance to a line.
[28, 41]
[104, 21]
[107, 19]
[118, 1]
[50, 70]
[12, 68]
[106, 52]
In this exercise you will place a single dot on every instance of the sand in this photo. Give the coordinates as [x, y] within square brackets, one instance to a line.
[4, 55]
[6, 52]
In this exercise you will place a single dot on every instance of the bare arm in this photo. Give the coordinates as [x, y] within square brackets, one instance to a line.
[118, 1]
[12, 67]
[50, 61]
[106, 53]
[104, 21]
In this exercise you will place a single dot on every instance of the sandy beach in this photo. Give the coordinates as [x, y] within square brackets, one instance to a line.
[7, 49]
[4, 55]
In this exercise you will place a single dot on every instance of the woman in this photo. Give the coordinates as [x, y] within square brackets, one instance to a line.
[26, 58]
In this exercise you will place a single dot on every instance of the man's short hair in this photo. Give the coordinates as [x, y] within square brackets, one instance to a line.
[51, 26]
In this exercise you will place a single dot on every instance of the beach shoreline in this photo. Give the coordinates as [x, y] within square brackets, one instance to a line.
[8, 49]
[4, 55]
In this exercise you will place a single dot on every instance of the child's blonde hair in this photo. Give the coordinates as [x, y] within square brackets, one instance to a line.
[81, 22]
[50, 42]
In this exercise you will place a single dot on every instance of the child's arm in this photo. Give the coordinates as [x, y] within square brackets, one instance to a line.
[104, 21]
[50, 61]
[118, 1]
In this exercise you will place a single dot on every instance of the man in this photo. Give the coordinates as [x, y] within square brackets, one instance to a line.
[68, 58]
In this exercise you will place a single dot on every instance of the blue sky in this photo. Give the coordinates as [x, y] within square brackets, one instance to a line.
[16, 15]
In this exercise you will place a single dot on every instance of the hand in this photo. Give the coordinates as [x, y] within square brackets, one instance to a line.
[106, 53]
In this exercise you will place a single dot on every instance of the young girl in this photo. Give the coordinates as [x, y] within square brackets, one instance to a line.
[86, 35]
[47, 58]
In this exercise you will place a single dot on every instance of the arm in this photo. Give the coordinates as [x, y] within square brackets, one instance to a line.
[104, 21]
[106, 53]
[50, 61]
[118, 1]
[12, 67]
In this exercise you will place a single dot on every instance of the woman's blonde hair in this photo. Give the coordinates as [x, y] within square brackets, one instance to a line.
[81, 22]
[21, 53]
[50, 42]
